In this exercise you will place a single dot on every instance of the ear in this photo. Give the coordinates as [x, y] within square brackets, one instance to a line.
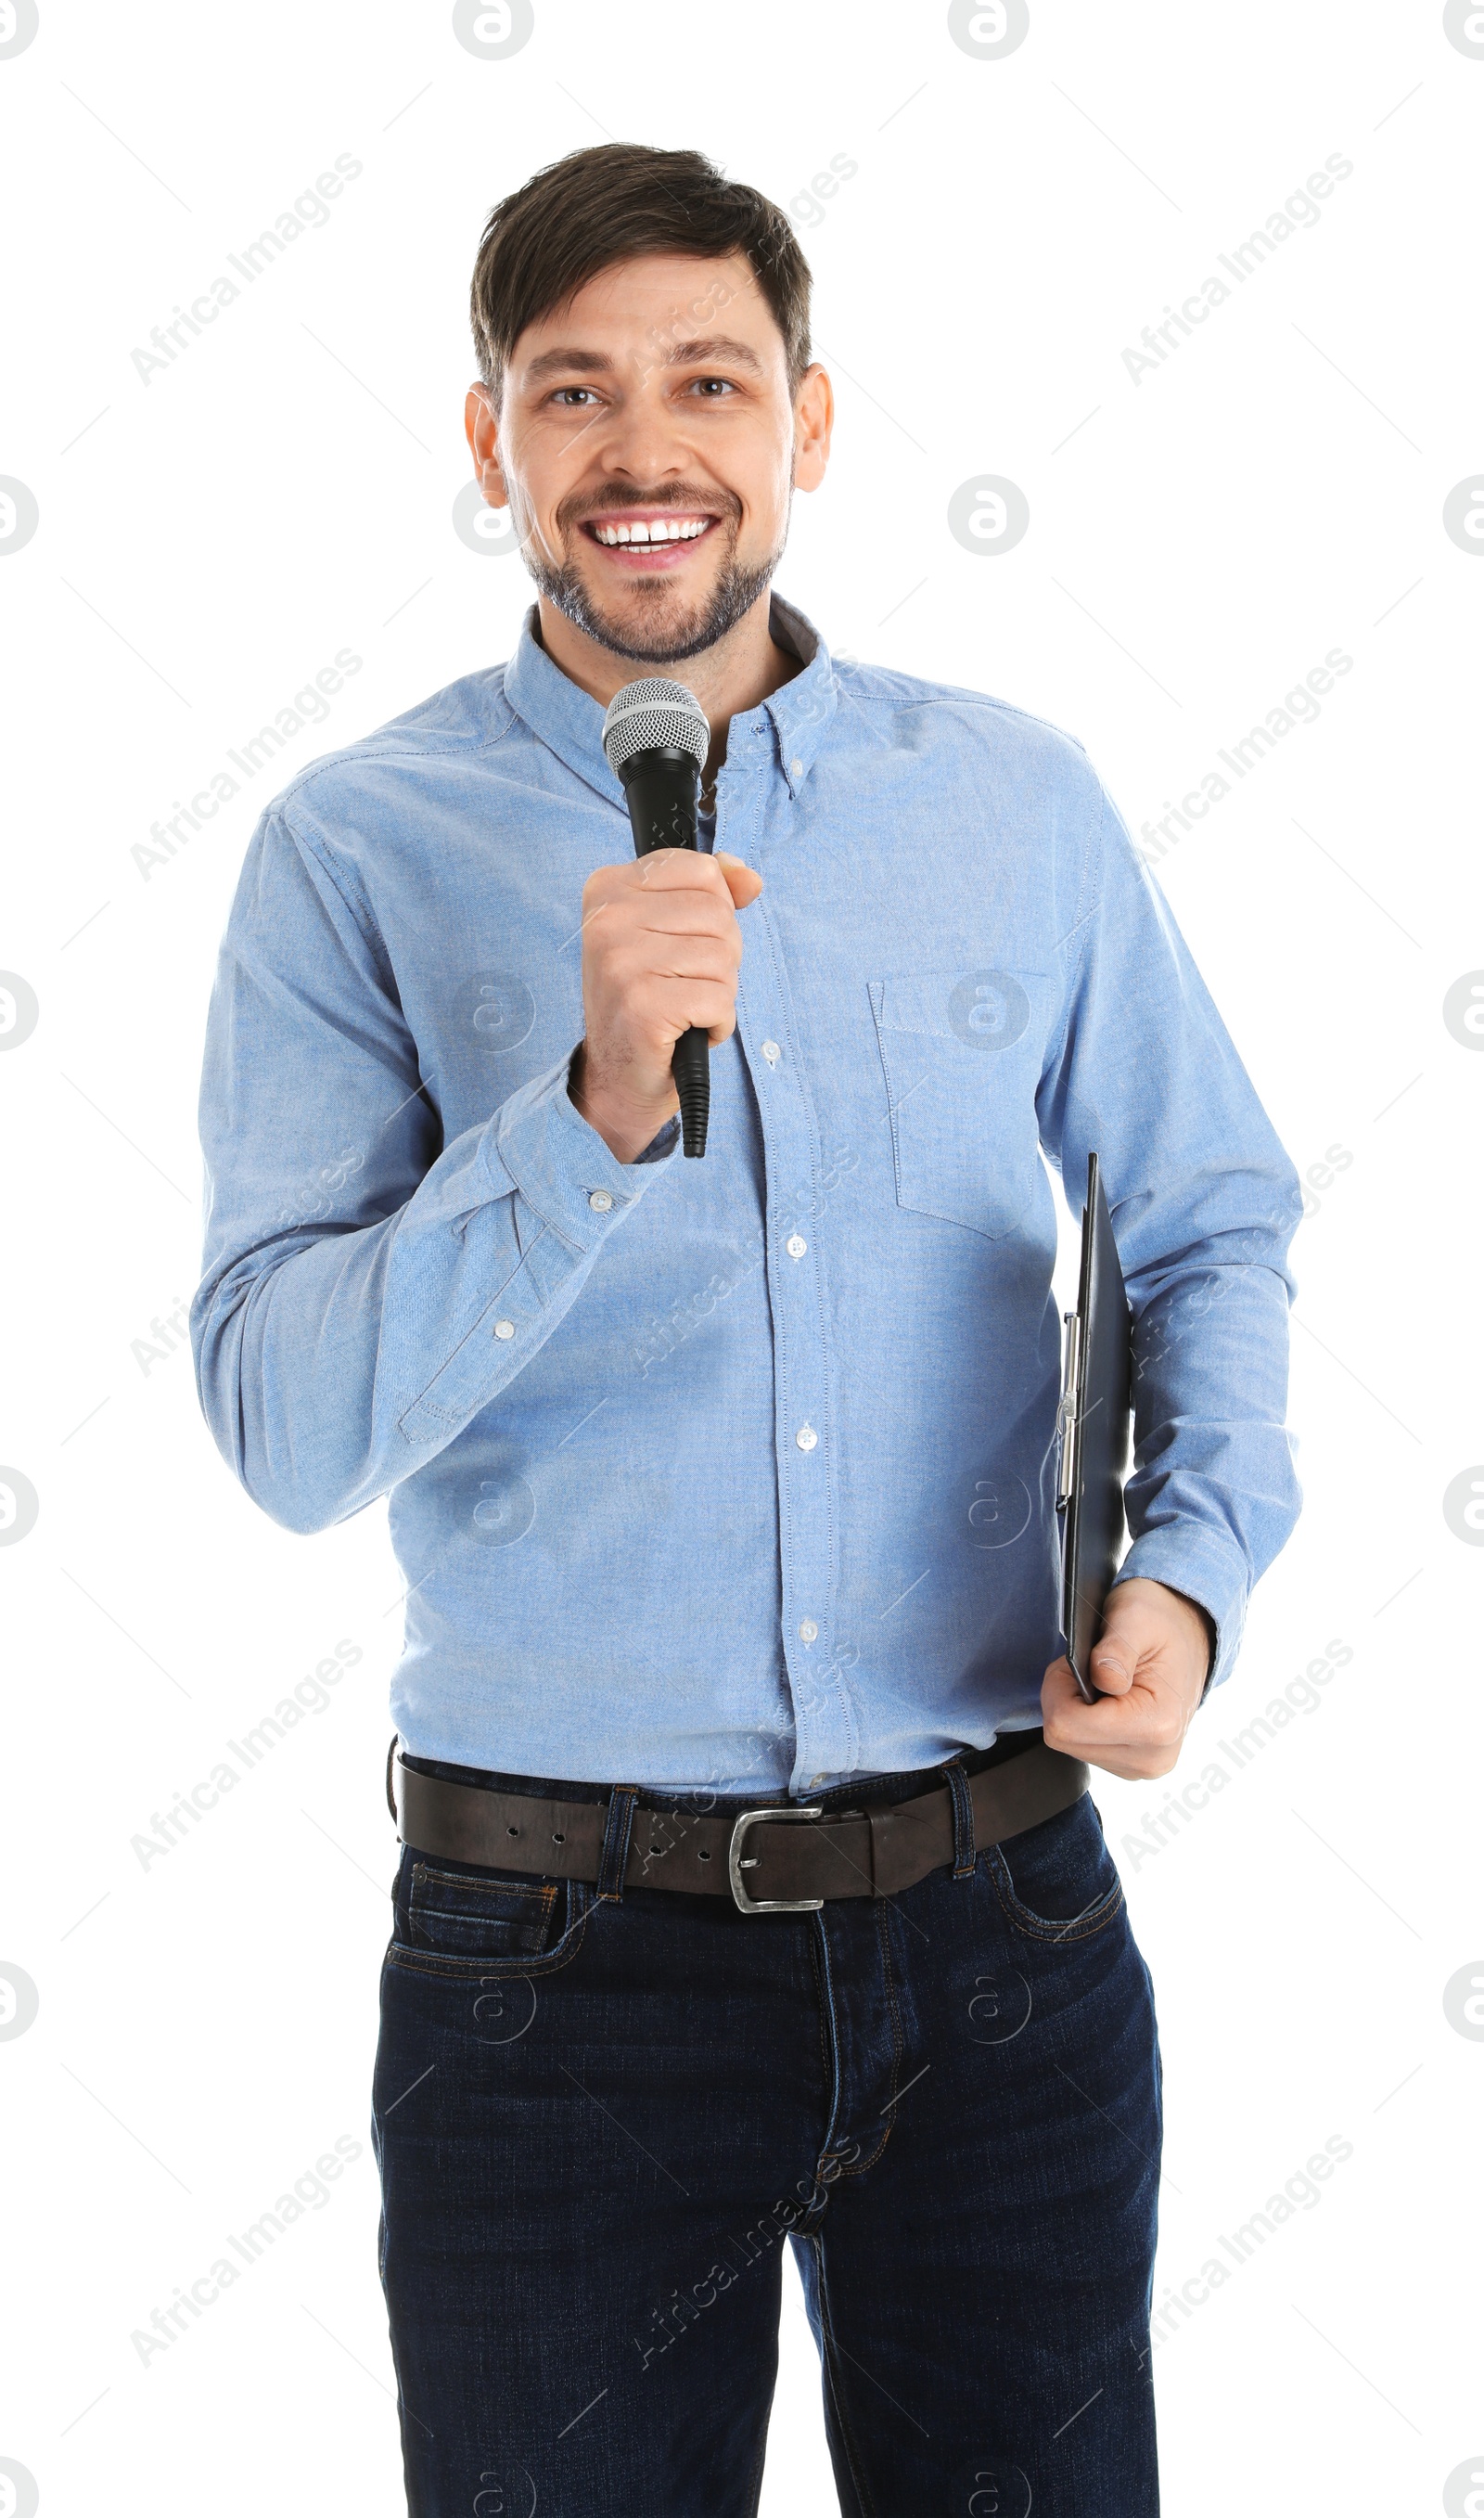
[813, 425]
[482, 429]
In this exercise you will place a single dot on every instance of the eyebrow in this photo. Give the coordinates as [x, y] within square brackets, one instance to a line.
[715, 347]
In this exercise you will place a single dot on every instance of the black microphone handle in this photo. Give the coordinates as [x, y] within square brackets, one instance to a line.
[662, 787]
[691, 1067]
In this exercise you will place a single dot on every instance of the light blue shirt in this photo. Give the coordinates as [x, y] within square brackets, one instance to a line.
[733, 1474]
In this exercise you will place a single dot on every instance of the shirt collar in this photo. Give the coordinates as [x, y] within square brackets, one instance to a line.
[571, 724]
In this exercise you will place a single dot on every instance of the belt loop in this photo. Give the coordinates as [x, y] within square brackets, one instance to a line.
[876, 1822]
[963, 1819]
[613, 1861]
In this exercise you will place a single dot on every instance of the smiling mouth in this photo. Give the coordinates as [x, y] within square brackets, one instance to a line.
[652, 538]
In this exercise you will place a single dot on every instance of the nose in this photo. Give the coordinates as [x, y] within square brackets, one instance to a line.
[644, 441]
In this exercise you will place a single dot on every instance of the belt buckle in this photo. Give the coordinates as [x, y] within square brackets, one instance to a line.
[737, 1864]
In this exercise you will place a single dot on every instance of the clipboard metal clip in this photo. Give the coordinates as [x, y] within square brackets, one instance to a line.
[1068, 1413]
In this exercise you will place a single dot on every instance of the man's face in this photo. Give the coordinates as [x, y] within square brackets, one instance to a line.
[647, 446]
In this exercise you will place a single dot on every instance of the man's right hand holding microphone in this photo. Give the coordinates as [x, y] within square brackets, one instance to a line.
[661, 948]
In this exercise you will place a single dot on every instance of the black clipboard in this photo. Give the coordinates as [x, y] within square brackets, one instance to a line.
[1093, 1424]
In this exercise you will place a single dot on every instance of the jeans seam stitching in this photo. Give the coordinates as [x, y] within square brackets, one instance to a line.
[1043, 1927]
[898, 2042]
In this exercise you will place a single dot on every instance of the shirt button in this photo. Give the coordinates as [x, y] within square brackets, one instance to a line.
[795, 769]
[601, 1199]
[771, 1052]
[807, 1631]
[795, 1245]
[806, 1438]
[817, 1779]
[504, 1328]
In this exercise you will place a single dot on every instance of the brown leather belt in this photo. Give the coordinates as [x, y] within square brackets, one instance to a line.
[780, 1859]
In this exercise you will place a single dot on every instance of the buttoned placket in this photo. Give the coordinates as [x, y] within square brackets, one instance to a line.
[755, 789]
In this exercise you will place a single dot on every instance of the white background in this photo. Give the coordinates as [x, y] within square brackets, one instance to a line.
[1199, 540]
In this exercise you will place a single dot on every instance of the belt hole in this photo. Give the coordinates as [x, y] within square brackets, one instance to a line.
[557, 1837]
[512, 1831]
[704, 1855]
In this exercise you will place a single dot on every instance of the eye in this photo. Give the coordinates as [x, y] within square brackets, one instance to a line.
[714, 388]
[573, 397]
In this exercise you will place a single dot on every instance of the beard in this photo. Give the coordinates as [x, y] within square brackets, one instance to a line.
[655, 632]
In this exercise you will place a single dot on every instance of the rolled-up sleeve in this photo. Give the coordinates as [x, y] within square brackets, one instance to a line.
[1204, 1202]
[367, 1288]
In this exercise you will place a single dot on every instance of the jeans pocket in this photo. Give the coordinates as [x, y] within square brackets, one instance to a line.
[457, 1910]
[961, 1056]
[1058, 1881]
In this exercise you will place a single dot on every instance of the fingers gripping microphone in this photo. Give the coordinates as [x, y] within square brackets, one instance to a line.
[656, 737]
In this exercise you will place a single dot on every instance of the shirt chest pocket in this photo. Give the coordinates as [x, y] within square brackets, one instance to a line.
[961, 1058]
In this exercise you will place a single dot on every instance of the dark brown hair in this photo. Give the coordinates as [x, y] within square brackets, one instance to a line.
[609, 204]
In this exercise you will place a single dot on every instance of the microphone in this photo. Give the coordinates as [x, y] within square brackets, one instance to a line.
[657, 736]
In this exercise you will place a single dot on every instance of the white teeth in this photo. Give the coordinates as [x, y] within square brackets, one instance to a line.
[661, 530]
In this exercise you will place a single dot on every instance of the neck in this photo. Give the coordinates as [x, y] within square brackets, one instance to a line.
[738, 673]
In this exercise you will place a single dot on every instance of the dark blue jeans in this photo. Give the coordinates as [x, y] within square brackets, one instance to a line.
[599, 2121]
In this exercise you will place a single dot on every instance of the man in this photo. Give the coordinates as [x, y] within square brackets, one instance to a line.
[727, 1486]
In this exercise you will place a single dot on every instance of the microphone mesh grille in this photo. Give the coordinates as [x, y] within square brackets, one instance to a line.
[648, 714]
